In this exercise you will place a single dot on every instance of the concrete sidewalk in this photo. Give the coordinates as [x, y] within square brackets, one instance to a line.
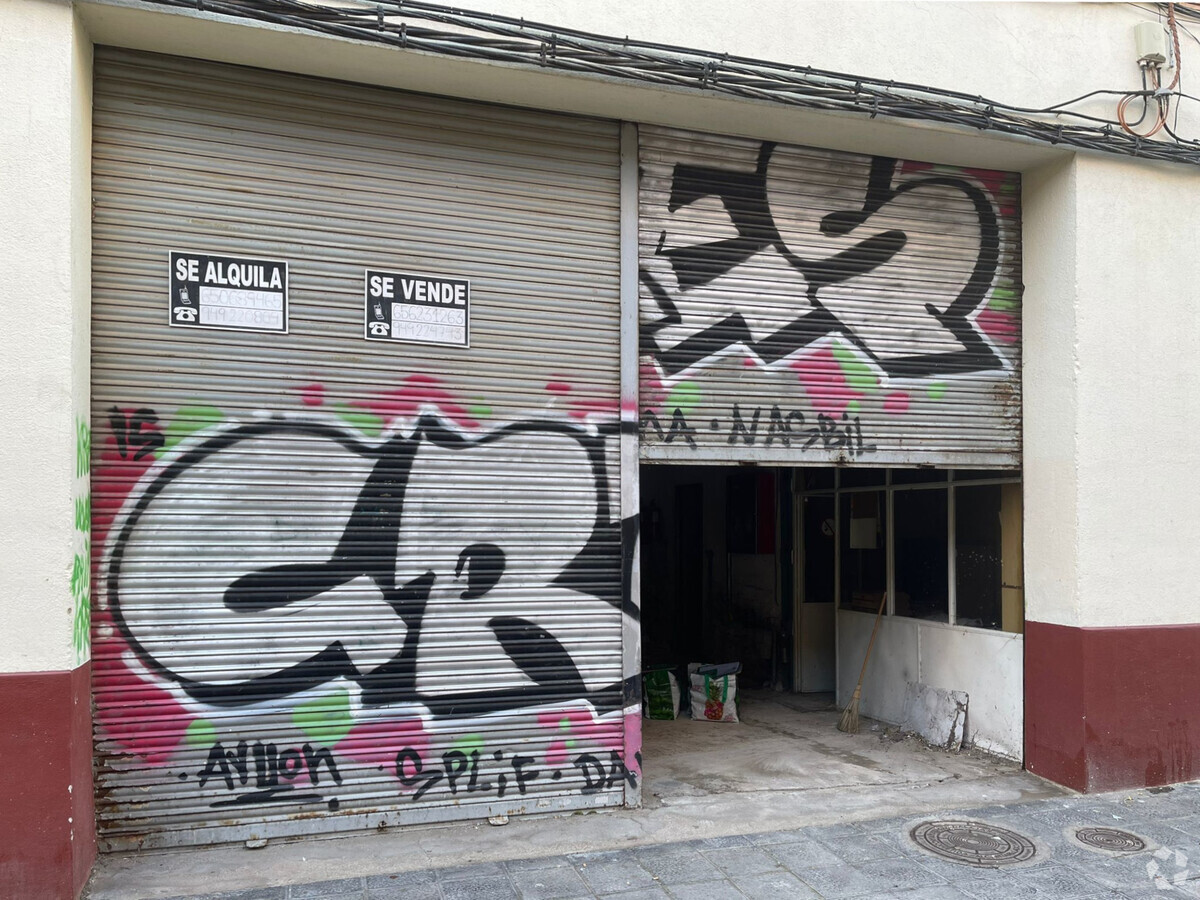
[784, 767]
[871, 860]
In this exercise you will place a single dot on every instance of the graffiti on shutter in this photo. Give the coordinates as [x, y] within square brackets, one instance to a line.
[810, 305]
[277, 663]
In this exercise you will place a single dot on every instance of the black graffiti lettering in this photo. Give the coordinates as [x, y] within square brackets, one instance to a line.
[240, 763]
[597, 778]
[617, 771]
[650, 420]
[290, 764]
[835, 434]
[592, 771]
[455, 763]
[313, 759]
[486, 565]
[129, 434]
[266, 765]
[368, 549]
[473, 783]
[216, 760]
[680, 428]
[739, 428]
[781, 427]
[233, 767]
[522, 775]
[427, 778]
[501, 784]
[744, 196]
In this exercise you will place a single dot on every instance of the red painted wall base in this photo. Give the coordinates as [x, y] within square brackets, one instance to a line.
[1112, 708]
[47, 820]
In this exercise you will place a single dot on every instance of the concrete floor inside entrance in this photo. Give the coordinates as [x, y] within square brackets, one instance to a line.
[787, 760]
[784, 766]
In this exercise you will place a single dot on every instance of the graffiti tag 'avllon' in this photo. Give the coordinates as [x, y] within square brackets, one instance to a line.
[798, 288]
[337, 575]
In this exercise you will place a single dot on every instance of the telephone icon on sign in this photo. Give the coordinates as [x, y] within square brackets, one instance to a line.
[378, 329]
[185, 314]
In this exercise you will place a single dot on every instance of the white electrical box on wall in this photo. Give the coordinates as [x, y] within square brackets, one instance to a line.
[1150, 39]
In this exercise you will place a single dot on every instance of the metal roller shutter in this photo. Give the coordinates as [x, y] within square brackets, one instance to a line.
[810, 307]
[346, 583]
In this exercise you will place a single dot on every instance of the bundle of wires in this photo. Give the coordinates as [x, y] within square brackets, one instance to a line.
[1152, 90]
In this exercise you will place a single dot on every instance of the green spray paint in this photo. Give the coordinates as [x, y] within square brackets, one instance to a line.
[326, 719]
[1003, 297]
[468, 743]
[200, 733]
[685, 397]
[858, 374]
[187, 420]
[81, 565]
[368, 423]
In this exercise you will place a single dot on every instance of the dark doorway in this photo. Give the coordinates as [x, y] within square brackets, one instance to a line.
[716, 587]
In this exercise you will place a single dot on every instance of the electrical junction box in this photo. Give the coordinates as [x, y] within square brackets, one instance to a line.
[1150, 38]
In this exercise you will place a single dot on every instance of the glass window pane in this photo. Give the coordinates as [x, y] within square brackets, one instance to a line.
[987, 533]
[863, 545]
[817, 479]
[854, 477]
[922, 579]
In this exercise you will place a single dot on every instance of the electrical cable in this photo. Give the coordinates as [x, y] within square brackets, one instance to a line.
[464, 34]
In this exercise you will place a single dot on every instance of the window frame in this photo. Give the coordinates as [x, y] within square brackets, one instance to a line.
[949, 484]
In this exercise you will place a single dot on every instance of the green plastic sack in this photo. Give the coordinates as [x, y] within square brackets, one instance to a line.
[660, 694]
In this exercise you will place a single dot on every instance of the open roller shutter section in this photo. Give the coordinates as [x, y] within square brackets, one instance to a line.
[341, 582]
[810, 307]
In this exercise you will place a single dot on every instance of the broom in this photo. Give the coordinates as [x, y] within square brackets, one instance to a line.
[849, 720]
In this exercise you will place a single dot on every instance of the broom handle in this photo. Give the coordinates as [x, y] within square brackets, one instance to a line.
[871, 643]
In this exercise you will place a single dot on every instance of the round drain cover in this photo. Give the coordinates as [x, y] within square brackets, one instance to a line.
[1110, 840]
[974, 843]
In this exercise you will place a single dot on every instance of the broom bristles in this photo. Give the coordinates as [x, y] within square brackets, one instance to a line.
[849, 720]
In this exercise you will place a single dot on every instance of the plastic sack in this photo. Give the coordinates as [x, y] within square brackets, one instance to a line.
[713, 697]
[660, 694]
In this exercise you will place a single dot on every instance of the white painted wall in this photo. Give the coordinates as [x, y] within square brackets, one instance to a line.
[1138, 368]
[1049, 203]
[1112, 393]
[988, 666]
[45, 248]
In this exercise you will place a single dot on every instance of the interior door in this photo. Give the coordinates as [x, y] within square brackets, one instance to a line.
[817, 659]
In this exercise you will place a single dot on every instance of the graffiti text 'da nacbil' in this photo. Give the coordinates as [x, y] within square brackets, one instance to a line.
[763, 426]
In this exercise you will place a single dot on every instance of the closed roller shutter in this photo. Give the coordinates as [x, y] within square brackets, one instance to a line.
[811, 307]
[346, 583]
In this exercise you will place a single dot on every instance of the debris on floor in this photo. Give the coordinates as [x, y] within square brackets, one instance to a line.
[935, 714]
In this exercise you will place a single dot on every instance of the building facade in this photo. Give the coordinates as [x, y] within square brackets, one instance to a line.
[406, 382]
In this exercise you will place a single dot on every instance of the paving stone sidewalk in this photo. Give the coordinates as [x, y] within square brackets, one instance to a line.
[869, 860]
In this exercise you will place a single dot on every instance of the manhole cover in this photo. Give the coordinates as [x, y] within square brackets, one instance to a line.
[1110, 840]
[974, 843]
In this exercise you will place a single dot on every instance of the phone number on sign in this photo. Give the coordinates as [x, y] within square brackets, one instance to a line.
[403, 312]
[240, 299]
[232, 315]
[441, 334]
